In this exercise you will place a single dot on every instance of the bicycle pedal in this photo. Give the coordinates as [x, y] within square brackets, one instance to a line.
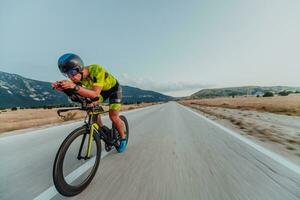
[108, 148]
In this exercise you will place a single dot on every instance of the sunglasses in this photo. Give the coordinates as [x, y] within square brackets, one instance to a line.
[72, 72]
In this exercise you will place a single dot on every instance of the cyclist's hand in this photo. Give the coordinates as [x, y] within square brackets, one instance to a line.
[63, 85]
[57, 85]
[67, 85]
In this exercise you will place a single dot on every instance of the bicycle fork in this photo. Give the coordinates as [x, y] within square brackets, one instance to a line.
[90, 143]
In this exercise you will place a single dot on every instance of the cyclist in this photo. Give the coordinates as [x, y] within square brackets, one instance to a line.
[93, 82]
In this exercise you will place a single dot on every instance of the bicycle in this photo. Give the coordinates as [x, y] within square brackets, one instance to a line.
[83, 158]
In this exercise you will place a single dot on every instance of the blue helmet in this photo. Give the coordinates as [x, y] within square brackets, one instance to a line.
[70, 61]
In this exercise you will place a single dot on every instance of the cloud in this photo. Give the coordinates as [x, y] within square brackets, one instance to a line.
[164, 87]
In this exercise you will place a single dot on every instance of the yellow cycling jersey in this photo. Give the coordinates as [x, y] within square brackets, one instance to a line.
[98, 76]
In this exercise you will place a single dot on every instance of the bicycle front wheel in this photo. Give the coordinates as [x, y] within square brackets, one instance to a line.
[73, 170]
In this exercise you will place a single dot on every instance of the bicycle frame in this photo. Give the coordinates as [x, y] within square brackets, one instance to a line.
[92, 127]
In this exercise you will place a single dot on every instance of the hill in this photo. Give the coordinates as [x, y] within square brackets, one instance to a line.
[241, 91]
[17, 91]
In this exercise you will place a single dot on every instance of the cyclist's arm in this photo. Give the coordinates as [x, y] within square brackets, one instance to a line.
[89, 93]
[92, 94]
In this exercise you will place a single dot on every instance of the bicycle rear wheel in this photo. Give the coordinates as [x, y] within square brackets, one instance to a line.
[72, 173]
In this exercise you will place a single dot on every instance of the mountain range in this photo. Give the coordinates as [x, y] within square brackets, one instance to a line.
[241, 91]
[17, 91]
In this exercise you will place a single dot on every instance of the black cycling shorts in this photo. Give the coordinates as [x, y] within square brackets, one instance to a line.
[114, 95]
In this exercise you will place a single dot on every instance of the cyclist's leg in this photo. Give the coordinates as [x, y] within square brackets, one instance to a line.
[115, 99]
[114, 109]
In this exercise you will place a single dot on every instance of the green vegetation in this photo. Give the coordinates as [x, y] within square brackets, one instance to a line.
[268, 94]
[284, 93]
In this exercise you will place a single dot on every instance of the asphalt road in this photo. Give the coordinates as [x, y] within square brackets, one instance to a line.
[172, 154]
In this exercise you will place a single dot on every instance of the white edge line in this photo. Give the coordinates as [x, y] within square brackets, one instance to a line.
[51, 191]
[290, 165]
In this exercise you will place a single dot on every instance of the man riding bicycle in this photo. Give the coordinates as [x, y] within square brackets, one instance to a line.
[93, 82]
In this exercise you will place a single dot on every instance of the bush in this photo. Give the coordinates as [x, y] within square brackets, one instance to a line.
[48, 107]
[268, 94]
[297, 92]
[34, 107]
[258, 96]
[284, 93]
[14, 108]
[233, 94]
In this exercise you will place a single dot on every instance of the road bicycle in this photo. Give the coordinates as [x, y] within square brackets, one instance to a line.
[78, 157]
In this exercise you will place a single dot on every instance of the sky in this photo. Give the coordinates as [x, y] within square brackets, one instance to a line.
[171, 46]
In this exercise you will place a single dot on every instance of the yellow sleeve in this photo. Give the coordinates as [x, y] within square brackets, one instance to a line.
[98, 74]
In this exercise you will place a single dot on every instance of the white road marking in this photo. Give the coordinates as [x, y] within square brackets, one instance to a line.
[51, 191]
[288, 164]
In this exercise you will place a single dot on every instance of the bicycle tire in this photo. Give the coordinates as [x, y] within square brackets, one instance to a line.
[58, 178]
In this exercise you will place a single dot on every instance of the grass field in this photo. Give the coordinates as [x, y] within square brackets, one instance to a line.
[29, 118]
[288, 105]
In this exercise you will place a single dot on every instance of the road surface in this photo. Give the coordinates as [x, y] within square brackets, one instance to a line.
[173, 153]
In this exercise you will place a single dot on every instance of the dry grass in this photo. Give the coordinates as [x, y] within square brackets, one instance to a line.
[288, 105]
[69, 116]
[28, 118]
